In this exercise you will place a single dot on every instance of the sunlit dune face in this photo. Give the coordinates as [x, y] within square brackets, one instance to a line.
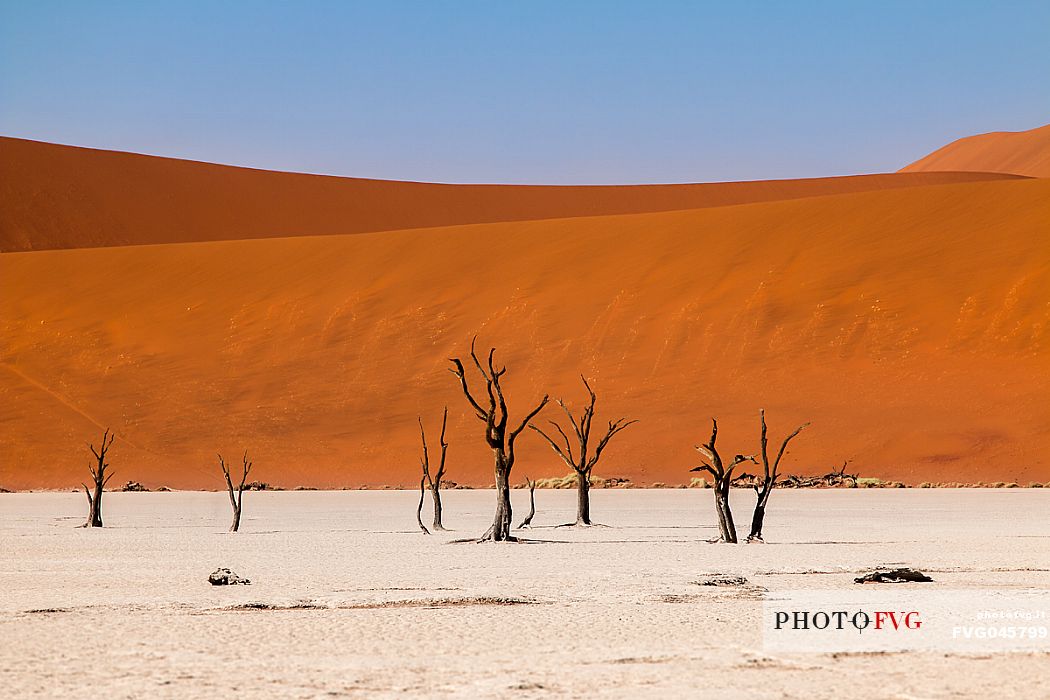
[909, 324]
[1020, 152]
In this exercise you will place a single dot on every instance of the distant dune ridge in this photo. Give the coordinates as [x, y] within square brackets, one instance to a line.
[57, 196]
[907, 316]
[1017, 152]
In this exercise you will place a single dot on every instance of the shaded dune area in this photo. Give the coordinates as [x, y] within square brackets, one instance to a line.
[310, 319]
[56, 196]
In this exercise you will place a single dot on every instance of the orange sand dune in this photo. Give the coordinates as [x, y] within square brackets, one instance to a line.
[1017, 152]
[911, 326]
[55, 196]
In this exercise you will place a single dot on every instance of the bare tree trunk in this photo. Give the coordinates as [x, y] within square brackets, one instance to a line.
[435, 493]
[527, 522]
[726, 527]
[235, 503]
[758, 516]
[720, 514]
[94, 518]
[95, 513]
[96, 506]
[500, 531]
[419, 508]
[583, 498]
[236, 525]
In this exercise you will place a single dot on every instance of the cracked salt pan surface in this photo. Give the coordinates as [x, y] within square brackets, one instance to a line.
[349, 599]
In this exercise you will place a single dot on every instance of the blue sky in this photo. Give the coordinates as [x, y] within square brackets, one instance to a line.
[552, 92]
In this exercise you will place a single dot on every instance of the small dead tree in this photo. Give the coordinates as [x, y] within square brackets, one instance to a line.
[769, 477]
[236, 492]
[100, 479]
[499, 439]
[434, 482]
[723, 476]
[527, 522]
[582, 462]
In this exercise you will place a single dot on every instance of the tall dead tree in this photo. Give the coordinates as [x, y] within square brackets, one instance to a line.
[583, 461]
[493, 414]
[434, 482]
[100, 479]
[236, 493]
[527, 522]
[769, 478]
[723, 476]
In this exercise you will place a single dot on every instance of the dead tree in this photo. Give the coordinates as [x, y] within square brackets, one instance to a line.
[419, 508]
[840, 477]
[830, 480]
[100, 479]
[434, 482]
[499, 439]
[582, 462]
[527, 522]
[769, 477]
[723, 476]
[236, 492]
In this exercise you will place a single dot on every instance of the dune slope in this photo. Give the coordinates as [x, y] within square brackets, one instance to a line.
[1017, 152]
[911, 326]
[54, 196]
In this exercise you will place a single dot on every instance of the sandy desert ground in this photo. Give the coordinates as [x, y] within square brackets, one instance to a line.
[349, 599]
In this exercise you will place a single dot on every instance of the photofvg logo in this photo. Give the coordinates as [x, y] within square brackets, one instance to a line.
[910, 619]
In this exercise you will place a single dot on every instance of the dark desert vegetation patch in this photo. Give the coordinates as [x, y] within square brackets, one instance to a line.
[276, 606]
[800, 572]
[732, 585]
[527, 686]
[387, 604]
[516, 540]
[767, 662]
[631, 660]
[443, 603]
[721, 580]
[679, 598]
